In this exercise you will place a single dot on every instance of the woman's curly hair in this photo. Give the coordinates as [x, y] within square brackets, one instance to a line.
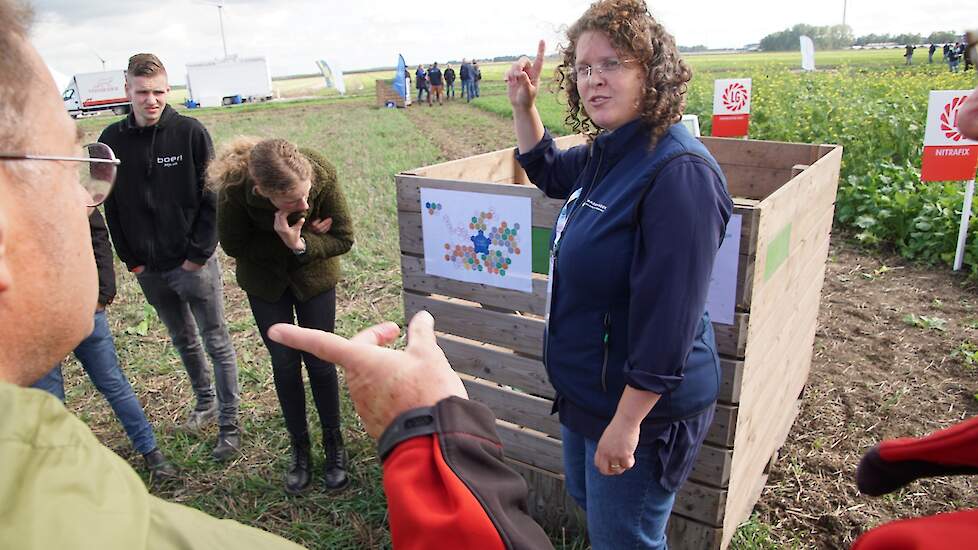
[274, 165]
[636, 34]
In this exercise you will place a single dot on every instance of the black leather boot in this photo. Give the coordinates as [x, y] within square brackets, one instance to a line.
[160, 469]
[335, 477]
[298, 478]
[228, 443]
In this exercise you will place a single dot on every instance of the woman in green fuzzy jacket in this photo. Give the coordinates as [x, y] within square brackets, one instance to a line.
[282, 216]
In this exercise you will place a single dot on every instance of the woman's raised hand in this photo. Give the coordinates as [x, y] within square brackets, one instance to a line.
[523, 79]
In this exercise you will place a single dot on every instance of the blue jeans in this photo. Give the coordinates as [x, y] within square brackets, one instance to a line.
[191, 305]
[98, 357]
[468, 87]
[450, 89]
[627, 511]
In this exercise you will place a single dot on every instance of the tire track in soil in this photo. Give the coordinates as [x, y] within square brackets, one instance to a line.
[460, 130]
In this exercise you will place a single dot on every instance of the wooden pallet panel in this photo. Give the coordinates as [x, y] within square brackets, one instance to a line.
[512, 406]
[497, 364]
[732, 339]
[530, 447]
[687, 534]
[701, 503]
[549, 504]
[521, 334]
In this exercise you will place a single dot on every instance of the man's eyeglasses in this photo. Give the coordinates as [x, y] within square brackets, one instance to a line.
[609, 67]
[96, 170]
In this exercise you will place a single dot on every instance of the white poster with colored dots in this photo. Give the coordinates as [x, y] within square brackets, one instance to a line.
[477, 238]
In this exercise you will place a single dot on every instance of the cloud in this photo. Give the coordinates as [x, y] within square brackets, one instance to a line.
[356, 35]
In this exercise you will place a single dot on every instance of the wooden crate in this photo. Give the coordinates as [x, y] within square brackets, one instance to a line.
[493, 336]
[385, 93]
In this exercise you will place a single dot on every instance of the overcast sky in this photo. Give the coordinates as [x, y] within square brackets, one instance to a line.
[291, 34]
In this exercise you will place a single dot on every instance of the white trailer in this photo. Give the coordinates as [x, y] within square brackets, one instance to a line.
[229, 81]
[93, 92]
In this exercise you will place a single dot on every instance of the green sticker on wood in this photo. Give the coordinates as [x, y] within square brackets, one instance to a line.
[541, 250]
[777, 252]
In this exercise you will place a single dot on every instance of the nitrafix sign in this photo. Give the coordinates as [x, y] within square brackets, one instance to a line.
[731, 107]
[948, 156]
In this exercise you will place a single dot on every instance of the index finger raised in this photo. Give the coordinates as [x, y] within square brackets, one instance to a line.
[538, 62]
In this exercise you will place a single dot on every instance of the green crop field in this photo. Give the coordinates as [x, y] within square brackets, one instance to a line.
[866, 101]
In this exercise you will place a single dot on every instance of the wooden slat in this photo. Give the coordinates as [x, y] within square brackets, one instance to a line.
[497, 364]
[518, 408]
[530, 447]
[701, 503]
[724, 428]
[522, 334]
[415, 278]
[712, 466]
[494, 166]
[731, 379]
[732, 339]
[760, 153]
[549, 504]
[754, 182]
[686, 534]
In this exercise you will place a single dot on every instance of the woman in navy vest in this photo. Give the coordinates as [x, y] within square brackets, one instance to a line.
[629, 347]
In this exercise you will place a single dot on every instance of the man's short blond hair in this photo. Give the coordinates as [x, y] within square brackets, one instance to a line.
[145, 64]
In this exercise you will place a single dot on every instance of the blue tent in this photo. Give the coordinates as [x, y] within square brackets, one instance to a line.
[400, 86]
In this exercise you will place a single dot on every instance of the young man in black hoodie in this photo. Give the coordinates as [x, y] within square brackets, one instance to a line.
[163, 224]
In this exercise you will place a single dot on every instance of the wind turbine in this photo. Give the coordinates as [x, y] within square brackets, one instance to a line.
[219, 4]
[99, 58]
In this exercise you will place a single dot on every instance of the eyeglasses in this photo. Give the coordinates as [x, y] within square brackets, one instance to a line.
[608, 67]
[96, 171]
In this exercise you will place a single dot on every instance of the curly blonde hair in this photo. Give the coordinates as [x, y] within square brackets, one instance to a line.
[634, 33]
[274, 165]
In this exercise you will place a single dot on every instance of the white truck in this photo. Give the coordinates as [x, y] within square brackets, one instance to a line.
[92, 92]
[229, 81]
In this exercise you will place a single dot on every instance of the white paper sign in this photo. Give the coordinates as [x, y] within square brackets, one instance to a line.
[731, 96]
[477, 238]
[942, 118]
[721, 301]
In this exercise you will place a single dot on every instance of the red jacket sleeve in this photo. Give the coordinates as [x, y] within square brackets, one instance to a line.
[451, 488]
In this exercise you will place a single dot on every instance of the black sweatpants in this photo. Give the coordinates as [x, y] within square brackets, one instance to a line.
[319, 312]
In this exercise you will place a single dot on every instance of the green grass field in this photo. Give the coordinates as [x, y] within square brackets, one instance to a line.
[368, 146]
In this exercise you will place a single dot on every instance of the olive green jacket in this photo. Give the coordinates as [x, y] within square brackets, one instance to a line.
[61, 488]
[265, 266]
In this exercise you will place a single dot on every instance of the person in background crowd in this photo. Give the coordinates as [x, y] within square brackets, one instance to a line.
[930, 53]
[629, 348]
[163, 224]
[289, 268]
[465, 75]
[435, 78]
[449, 83]
[953, 57]
[968, 46]
[909, 55]
[98, 357]
[476, 77]
[421, 81]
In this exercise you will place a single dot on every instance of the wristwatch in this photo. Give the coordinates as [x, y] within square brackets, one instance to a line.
[301, 251]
